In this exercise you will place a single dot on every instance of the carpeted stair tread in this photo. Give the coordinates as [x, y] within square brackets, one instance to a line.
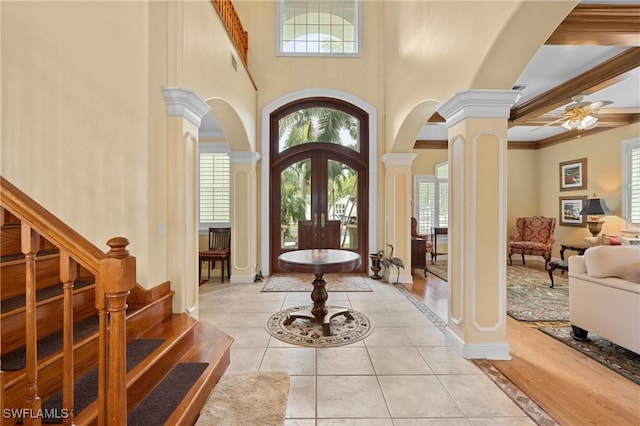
[19, 256]
[163, 400]
[86, 387]
[18, 302]
[50, 344]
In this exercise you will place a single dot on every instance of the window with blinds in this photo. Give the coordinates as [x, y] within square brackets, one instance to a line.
[631, 182]
[431, 199]
[318, 27]
[215, 188]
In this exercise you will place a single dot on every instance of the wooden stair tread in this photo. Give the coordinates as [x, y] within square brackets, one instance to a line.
[211, 346]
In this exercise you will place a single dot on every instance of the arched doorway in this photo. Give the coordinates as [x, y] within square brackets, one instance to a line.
[319, 180]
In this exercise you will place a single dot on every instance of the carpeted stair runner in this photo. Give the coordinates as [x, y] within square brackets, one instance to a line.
[17, 302]
[86, 387]
[49, 345]
[167, 395]
[20, 256]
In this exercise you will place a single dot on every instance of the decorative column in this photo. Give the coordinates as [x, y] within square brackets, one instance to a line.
[397, 210]
[477, 123]
[185, 111]
[244, 213]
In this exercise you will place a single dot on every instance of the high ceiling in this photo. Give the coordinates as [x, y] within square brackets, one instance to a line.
[595, 51]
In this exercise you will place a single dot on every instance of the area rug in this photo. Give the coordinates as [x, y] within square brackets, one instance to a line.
[617, 358]
[253, 398]
[304, 332]
[438, 269]
[302, 282]
[529, 297]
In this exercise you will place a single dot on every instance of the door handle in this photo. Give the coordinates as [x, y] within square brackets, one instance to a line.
[322, 221]
[315, 220]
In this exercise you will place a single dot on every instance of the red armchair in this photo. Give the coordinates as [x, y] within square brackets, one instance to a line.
[534, 236]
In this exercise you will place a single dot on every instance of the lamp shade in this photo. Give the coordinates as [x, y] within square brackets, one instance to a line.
[595, 206]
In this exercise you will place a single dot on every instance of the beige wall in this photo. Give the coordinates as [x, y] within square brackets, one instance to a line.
[84, 118]
[75, 113]
[603, 153]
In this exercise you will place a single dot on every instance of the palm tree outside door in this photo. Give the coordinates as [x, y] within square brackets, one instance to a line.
[319, 188]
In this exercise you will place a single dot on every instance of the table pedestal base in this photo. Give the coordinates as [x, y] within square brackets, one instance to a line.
[325, 319]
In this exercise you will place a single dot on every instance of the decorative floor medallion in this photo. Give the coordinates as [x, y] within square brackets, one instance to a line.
[309, 333]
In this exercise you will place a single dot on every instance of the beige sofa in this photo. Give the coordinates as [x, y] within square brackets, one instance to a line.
[604, 294]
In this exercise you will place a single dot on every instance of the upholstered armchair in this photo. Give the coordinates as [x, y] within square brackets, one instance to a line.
[534, 237]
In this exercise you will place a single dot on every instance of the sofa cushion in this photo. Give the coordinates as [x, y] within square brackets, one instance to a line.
[594, 241]
[614, 261]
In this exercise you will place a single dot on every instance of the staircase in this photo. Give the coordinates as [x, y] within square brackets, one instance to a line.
[81, 342]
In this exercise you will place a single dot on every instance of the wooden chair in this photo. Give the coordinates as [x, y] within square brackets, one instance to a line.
[534, 236]
[219, 249]
[420, 246]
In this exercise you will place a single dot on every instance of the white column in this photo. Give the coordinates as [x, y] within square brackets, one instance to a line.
[186, 110]
[244, 215]
[477, 123]
[397, 210]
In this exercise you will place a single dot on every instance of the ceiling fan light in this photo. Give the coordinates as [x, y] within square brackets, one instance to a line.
[571, 124]
[588, 122]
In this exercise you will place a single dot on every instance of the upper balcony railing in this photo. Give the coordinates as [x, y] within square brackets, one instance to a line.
[239, 36]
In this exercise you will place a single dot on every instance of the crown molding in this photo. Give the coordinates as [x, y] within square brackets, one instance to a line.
[398, 159]
[185, 103]
[478, 104]
[244, 157]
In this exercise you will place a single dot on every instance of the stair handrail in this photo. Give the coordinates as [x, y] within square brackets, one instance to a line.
[50, 227]
[233, 25]
[114, 273]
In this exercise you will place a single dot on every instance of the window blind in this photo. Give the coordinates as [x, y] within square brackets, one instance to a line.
[634, 184]
[215, 188]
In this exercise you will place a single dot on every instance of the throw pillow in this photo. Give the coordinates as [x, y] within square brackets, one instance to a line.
[613, 261]
[611, 240]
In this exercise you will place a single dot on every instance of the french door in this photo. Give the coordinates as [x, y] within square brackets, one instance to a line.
[319, 188]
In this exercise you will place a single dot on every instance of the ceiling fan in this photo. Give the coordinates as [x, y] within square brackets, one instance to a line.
[580, 115]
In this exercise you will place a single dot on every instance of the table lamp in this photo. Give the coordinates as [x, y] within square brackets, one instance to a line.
[594, 208]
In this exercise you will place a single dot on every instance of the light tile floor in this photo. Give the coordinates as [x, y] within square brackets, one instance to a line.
[402, 374]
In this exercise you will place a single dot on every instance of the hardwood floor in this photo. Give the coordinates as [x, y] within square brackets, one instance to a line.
[571, 387]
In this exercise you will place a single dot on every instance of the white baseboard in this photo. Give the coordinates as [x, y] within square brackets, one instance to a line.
[497, 351]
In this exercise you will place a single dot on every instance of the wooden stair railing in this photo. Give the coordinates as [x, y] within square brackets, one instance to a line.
[114, 273]
[231, 21]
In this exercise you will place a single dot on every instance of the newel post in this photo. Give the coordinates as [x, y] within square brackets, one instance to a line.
[117, 278]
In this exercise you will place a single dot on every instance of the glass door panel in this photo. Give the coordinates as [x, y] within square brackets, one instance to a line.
[295, 201]
[342, 200]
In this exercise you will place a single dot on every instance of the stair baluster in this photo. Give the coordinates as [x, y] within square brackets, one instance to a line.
[30, 241]
[68, 276]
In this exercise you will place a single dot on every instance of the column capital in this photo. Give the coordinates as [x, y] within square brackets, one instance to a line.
[244, 157]
[478, 104]
[398, 159]
[185, 103]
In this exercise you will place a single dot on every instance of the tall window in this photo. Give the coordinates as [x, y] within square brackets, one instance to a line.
[631, 182]
[431, 199]
[215, 186]
[318, 27]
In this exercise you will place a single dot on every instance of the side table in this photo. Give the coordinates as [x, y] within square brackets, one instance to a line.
[579, 248]
[557, 264]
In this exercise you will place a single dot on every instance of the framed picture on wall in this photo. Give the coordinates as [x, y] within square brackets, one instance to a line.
[573, 175]
[570, 208]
